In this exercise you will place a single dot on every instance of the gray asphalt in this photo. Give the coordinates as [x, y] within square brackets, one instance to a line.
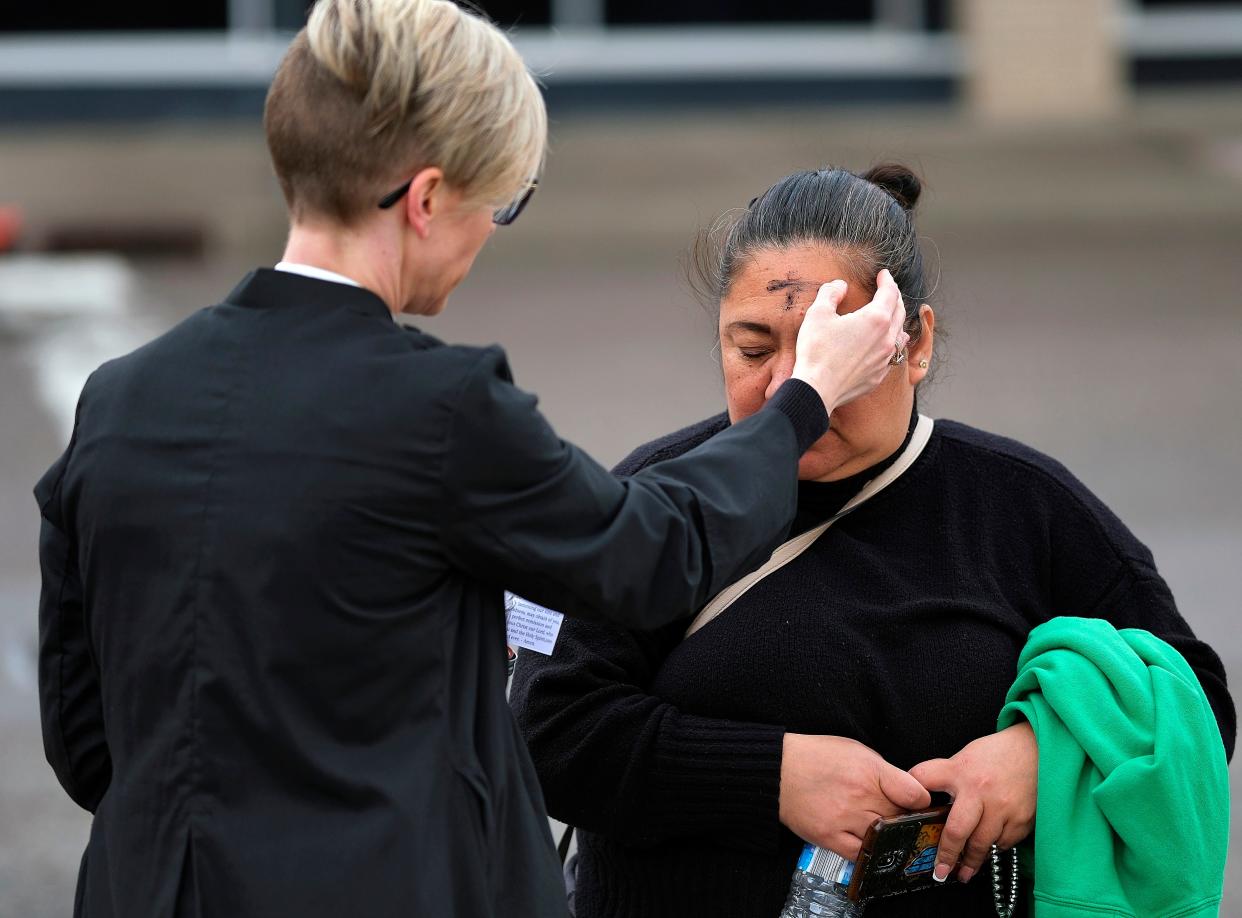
[1090, 281]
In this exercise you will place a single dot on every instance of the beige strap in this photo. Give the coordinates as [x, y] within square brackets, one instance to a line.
[797, 545]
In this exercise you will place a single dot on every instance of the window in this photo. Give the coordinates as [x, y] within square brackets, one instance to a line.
[93, 16]
[690, 12]
[291, 14]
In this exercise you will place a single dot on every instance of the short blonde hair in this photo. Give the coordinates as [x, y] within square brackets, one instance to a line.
[372, 90]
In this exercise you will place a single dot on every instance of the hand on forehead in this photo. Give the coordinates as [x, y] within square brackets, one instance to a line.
[776, 288]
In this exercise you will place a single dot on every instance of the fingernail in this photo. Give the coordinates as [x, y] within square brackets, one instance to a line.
[964, 875]
[941, 873]
[838, 283]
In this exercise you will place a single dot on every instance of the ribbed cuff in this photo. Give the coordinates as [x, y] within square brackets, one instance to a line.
[799, 402]
[719, 779]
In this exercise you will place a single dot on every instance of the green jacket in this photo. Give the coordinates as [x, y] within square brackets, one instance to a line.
[1133, 811]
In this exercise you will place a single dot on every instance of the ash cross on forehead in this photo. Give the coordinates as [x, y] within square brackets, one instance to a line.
[792, 285]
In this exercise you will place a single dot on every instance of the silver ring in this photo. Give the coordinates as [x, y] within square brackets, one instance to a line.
[898, 358]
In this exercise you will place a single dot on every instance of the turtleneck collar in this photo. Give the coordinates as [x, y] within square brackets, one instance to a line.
[818, 500]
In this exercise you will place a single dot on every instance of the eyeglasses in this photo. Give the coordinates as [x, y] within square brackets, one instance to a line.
[502, 217]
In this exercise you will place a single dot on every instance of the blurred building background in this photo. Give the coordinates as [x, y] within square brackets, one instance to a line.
[1084, 211]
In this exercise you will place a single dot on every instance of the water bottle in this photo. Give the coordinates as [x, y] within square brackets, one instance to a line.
[819, 884]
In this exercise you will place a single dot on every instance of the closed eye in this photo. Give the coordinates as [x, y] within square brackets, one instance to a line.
[753, 353]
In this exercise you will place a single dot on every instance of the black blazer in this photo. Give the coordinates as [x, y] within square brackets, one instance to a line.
[272, 651]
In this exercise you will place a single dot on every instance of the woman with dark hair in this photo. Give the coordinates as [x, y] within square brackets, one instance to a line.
[695, 760]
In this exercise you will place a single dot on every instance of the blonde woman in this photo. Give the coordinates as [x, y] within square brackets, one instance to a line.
[272, 656]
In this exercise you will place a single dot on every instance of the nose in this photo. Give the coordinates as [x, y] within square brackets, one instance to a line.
[782, 369]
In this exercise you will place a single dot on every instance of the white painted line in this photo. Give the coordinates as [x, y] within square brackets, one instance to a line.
[65, 355]
[220, 59]
[19, 605]
[19, 665]
[75, 311]
[40, 287]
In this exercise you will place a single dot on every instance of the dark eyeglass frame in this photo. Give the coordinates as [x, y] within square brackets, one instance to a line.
[502, 217]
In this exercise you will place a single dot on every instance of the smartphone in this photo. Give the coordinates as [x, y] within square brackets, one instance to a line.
[898, 855]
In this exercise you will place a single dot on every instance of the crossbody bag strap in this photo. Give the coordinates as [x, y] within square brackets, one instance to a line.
[797, 545]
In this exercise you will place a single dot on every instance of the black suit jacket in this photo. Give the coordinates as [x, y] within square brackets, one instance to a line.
[272, 650]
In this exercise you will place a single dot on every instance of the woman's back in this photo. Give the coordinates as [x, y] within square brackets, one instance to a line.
[257, 502]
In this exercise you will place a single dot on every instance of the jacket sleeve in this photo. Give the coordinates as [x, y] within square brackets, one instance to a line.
[70, 701]
[526, 511]
[614, 759]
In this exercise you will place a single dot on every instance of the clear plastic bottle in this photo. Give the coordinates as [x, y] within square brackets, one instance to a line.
[819, 884]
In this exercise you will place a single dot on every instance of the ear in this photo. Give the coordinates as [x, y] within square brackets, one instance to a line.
[425, 200]
[922, 349]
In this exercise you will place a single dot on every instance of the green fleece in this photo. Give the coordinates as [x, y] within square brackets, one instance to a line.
[1133, 811]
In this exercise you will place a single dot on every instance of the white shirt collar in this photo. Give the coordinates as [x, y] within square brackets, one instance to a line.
[294, 267]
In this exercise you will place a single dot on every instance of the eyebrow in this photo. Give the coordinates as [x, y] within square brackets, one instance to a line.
[749, 326]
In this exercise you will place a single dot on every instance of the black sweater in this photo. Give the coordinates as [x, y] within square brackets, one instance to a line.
[900, 628]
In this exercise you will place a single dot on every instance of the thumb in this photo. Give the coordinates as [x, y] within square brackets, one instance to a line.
[903, 789]
[934, 774]
[830, 296]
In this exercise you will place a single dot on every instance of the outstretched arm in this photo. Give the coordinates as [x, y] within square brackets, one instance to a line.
[528, 512]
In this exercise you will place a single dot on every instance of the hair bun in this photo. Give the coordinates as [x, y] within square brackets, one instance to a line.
[898, 180]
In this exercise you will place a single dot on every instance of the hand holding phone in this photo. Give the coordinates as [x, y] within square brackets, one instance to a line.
[994, 782]
[898, 855]
[831, 787]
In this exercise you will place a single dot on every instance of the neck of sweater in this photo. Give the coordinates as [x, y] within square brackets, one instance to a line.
[818, 500]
